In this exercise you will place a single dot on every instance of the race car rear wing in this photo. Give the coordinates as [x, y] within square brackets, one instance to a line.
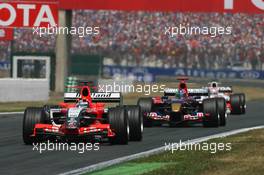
[191, 92]
[198, 92]
[113, 97]
[109, 97]
[227, 89]
[170, 92]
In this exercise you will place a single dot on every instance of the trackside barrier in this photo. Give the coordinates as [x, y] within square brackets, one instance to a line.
[15, 90]
[150, 73]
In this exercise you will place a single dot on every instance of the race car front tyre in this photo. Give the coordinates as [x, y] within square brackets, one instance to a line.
[236, 104]
[135, 123]
[32, 116]
[118, 121]
[146, 106]
[211, 118]
[221, 106]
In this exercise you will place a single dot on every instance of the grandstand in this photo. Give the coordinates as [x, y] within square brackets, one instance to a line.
[4, 51]
[137, 38]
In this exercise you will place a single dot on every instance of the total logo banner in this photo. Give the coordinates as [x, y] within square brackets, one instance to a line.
[28, 13]
[6, 34]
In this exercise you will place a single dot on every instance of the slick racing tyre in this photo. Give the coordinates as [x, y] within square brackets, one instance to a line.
[32, 116]
[243, 102]
[146, 106]
[221, 106]
[135, 123]
[118, 121]
[211, 118]
[237, 103]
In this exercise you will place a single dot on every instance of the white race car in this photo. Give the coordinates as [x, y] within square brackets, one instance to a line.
[235, 102]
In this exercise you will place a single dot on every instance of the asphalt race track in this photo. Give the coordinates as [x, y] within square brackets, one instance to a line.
[17, 158]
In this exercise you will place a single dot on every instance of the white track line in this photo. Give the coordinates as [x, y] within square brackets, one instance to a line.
[10, 113]
[105, 164]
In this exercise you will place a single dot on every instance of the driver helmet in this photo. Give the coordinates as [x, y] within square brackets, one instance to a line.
[214, 84]
[214, 88]
[182, 93]
[82, 103]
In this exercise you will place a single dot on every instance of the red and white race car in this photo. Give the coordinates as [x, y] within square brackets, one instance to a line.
[235, 102]
[83, 116]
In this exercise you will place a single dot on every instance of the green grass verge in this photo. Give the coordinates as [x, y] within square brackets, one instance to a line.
[20, 106]
[131, 168]
[245, 157]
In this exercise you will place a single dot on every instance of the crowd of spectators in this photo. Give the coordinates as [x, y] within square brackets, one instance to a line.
[4, 51]
[138, 38]
[26, 41]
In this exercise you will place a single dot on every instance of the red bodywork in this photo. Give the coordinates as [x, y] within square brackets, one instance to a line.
[95, 128]
[183, 85]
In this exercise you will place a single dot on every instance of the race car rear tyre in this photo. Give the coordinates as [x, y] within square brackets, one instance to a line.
[135, 123]
[118, 121]
[146, 106]
[221, 106]
[210, 109]
[243, 103]
[236, 104]
[32, 116]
